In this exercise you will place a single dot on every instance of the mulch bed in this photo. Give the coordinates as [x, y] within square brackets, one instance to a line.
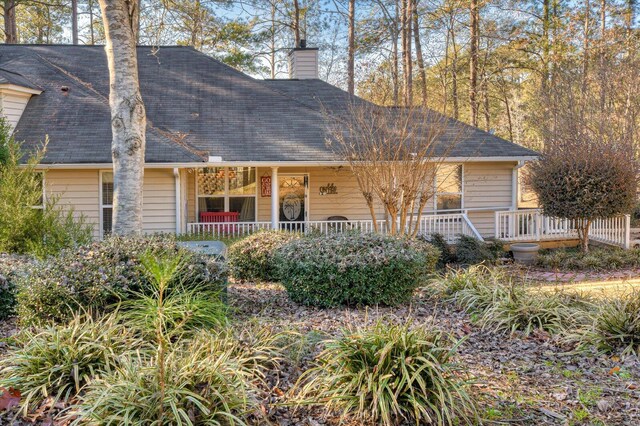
[536, 274]
[528, 381]
[523, 381]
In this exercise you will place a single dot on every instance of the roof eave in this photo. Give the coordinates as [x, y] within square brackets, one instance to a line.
[269, 163]
[19, 89]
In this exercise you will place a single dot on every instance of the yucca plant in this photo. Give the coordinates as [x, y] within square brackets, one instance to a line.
[209, 379]
[58, 361]
[390, 374]
[614, 325]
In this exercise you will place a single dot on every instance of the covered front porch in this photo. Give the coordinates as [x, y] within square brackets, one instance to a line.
[232, 201]
[477, 200]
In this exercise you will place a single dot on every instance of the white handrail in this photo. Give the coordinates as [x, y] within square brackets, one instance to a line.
[449, 225]
[532, 225]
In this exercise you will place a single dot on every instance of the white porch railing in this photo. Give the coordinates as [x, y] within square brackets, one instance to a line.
[449, 225]
[532, 225]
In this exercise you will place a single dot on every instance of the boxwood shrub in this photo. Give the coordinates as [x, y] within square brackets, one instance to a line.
[11, 268]
[252, 258]
[354, 269]
[96, 276]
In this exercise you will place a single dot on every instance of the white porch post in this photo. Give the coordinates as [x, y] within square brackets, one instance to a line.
[275, 197]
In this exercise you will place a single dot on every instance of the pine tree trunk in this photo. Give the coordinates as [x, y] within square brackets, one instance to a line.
[585, 46]
[128, 118]
[352, 48]
[420, 59]
[74, 21]
[296, 23]
[473, 62]
[10, 27]
[407, 33]
[454, 75]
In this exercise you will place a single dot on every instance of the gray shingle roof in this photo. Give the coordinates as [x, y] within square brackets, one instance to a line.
[10, 77]
[196, 107]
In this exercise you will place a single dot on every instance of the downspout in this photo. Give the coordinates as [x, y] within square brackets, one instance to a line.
[176, 175]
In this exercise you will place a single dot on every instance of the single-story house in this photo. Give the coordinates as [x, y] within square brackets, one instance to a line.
[225, 152]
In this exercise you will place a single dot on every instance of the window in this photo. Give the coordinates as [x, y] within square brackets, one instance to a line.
[449, 188]
[228, 189]
[106, 202]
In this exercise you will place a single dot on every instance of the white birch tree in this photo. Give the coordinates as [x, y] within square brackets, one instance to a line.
[128, 118]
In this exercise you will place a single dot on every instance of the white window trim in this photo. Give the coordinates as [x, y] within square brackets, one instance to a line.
[102, 206]
[461, 193]
[226, 194]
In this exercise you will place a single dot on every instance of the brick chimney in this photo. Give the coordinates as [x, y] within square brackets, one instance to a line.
[303, 62]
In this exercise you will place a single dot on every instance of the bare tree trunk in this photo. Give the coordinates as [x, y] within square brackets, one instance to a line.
[546, 24]
[585, 46]
[128, 118]
[473, 62]
[407, 60]
[272, 35]
[394, 53]
[91, 30]
[74, 21]
[352, 48]
[10, 27]
[420, 59]
[296, 22]
[603, 34]
[454, 74]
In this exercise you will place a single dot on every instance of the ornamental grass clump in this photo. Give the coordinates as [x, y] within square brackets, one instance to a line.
[516, 309]
[253, 257]
[354, 269]
[597, 259]
[199, 372]
[211, 378]
[613, 326]
[390, 374]
[59, 361]
[505, 306]
[453, 280]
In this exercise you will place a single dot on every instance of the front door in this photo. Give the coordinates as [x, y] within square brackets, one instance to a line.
[293, 201]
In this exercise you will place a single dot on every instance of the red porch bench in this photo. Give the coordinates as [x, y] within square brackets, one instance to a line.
[220, 217]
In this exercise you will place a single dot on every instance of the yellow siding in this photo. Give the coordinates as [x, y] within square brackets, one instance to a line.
[80, 189]
[77, 189]
[159, 201]
[12, 106]
[348, 202]
[487, 185]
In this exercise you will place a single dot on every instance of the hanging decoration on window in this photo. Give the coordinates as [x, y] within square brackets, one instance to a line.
[265, 186]
[211, 181]
[328, 189]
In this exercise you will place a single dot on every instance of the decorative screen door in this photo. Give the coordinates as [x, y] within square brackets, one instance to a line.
[293, 201]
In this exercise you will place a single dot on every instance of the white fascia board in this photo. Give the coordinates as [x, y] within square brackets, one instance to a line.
[19, 89]
[268, 163]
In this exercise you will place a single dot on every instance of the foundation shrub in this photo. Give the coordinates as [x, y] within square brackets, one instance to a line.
[354, 269]
[253, 257]
[98, 275]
